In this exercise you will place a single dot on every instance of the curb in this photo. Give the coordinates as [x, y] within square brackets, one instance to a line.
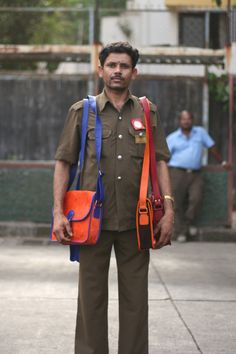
[24, 229]
[211, 234]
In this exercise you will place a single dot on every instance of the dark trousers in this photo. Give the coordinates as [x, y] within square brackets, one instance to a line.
[132, 265]
[187, 190]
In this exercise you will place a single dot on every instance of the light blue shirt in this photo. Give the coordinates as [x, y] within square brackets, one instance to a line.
[186, 151]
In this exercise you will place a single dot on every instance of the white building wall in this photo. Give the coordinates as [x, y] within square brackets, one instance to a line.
[111, 29]
[146, 28]
[142, 4]
[158, 28]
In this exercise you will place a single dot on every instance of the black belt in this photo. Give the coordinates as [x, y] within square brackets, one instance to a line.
[188, 170]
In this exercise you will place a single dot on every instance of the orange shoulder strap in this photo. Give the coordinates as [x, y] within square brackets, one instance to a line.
[144, 177]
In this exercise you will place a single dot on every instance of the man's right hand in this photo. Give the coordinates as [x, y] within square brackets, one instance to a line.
[61, 228]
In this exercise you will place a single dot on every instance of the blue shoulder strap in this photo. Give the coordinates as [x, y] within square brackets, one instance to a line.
[98, 129]
[88, 102]
[84, 128]
[98, 142]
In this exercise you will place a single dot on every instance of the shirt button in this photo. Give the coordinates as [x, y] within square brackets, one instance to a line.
[120, 118]
[120, 136]
[119, 178]
[119, 157]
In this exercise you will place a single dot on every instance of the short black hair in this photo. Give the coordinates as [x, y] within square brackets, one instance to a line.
[119, 47]
[186, 111]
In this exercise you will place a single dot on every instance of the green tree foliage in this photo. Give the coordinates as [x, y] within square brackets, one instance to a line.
[47, 27]
[219, 89]
[56, 27]
[17, 28]
[218, 2]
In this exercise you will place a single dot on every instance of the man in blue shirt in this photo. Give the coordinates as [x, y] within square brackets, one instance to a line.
[186, 145]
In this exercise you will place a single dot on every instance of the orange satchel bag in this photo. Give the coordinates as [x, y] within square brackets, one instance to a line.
[149, 209]
[84, 208]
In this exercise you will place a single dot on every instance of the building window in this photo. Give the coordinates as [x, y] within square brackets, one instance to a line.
[218, 28]
[192, 30]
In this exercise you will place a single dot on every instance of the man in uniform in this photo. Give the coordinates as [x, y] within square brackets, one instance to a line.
[186, 145]
[121, 162]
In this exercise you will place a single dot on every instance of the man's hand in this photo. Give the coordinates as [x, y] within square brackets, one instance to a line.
[227, 166]
[165, 229]
[61, 228]
[165, 226]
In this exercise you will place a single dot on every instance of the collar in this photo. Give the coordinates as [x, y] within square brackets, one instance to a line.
[102, 100]
[193, 131]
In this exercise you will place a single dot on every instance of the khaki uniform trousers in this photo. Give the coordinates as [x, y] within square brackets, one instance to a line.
[187, 190]
[132, 265]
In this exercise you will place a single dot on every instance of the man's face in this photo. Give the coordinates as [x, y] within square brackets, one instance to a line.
[185, 121]
[117, 71]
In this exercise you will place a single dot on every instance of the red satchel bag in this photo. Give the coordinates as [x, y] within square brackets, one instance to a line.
[83, 208]
[156, 198]
[150, 209]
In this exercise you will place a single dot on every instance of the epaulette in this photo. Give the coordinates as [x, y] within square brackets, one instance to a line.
[153, 107]
[77, 105]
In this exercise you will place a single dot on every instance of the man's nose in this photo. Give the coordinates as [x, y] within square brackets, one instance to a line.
[118, 68]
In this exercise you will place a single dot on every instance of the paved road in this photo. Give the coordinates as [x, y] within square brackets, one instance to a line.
[192, 299]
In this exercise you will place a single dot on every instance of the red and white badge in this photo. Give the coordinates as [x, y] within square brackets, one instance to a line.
[137, 124]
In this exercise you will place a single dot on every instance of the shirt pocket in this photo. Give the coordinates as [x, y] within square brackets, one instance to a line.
[196, 140]
[106, 142]
[135, 149]
[196, 143]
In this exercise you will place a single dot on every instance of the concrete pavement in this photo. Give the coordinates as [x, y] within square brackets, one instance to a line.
[192, 295]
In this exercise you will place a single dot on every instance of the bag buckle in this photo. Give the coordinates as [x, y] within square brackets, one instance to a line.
[98, 203]
[143, 210]
[70, 215]
[157, 204]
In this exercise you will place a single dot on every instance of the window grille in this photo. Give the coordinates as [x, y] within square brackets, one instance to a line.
[192, 30]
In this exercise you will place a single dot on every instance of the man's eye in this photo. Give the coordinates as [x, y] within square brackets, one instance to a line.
[111, 65]
[125, 66]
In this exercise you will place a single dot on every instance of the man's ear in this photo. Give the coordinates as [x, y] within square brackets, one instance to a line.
[134, 74]
[100, 71]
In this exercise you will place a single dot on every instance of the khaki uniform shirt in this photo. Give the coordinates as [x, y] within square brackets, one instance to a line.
[121, 159]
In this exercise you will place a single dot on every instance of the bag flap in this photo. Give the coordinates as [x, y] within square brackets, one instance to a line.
[78, 204]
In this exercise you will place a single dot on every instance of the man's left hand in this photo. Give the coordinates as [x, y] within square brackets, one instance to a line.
[164, 229]
[226, 165]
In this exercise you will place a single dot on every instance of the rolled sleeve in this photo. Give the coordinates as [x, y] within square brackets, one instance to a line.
[160, 144]
[69, 143]
[207, 141]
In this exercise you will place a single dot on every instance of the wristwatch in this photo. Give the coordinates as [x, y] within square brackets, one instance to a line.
[169, 197]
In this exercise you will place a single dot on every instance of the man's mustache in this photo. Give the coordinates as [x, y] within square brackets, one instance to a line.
[117, 77]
